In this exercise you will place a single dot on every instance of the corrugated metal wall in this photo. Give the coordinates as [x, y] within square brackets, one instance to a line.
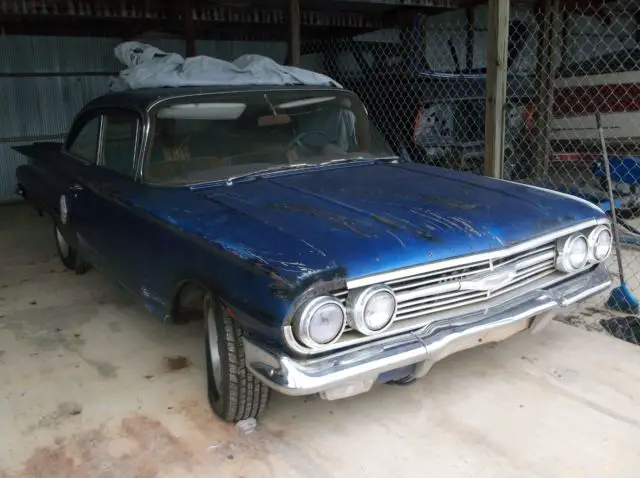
[42, 108]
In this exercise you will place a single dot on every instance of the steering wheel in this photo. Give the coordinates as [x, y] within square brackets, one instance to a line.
[297, 141]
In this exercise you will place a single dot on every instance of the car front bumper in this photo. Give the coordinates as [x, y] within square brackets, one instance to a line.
[354, 370]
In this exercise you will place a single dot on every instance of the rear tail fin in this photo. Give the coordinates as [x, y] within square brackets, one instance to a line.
[39, 150]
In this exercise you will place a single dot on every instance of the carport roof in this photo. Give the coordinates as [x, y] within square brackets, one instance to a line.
[232, 19]
[228, 20]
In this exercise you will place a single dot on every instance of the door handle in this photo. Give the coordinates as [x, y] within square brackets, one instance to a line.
[75, 189]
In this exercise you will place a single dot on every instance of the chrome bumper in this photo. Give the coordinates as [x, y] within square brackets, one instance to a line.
[354, 370]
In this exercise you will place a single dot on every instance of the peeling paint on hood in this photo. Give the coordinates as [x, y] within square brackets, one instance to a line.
[363, 219]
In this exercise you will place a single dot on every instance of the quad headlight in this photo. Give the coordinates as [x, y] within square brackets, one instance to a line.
[320, 322]
[600, 243]
[578, 250]
[372, 310]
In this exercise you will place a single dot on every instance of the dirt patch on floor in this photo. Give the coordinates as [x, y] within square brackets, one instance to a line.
[141, 447]
[60, 414]
[179, 362]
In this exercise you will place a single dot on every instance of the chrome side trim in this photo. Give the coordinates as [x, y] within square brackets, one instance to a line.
[464, 260]
[354, 370]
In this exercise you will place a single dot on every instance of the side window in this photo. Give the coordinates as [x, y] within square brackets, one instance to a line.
[120, 143]
[85, 144]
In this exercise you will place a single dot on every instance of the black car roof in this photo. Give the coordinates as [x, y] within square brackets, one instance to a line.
[143, 98]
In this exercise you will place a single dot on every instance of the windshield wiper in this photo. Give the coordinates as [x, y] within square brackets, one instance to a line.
[284, 167]
[260, 172]
[359, 158]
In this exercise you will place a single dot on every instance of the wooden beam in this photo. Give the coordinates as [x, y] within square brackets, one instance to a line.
[294, 33]
[496, 87]
[548, 21]
[189, 28]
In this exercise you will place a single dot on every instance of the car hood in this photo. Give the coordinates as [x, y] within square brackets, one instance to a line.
[365, 219]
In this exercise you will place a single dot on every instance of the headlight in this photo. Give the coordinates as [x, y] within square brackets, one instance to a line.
[573, 253]
[600, 243]
[320, 322]
[372, 310]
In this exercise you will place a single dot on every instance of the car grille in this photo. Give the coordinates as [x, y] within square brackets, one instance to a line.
[432, 292]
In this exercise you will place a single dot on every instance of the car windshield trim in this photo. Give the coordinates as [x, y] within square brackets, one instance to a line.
[286, 167]
[287, 141]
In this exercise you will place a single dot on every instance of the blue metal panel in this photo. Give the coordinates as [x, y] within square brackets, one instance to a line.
[262, 242]
[44, 105]
[57, 54]
[353, 221]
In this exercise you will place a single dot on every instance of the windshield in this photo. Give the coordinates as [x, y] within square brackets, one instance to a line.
[230, 135]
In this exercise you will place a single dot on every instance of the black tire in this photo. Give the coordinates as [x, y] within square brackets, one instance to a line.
[69, 255]
[234, 392]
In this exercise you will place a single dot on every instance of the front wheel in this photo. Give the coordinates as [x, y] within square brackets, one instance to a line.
[234, 392]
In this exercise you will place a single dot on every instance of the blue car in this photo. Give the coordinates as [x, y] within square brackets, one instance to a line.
[319, 261]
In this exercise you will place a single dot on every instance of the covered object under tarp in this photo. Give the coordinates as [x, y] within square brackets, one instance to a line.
[150, 67]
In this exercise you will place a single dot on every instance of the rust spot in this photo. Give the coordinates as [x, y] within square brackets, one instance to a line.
[48, 462]
[178, 362]
[142, 448]
[155, 440]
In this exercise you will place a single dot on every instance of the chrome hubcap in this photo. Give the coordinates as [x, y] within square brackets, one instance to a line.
[214, 349]
[62, 243]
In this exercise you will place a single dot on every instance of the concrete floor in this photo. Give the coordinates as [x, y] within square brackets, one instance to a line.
[90, 385]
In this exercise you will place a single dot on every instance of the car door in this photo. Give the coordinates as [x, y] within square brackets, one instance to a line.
[72, 175]
[112, 225]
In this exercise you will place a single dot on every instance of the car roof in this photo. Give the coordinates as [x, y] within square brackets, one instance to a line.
[143, 98]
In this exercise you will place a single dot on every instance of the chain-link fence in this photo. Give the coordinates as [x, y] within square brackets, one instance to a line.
[424, 86]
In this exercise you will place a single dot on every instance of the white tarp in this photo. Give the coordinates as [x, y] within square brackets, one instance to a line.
[149, 67]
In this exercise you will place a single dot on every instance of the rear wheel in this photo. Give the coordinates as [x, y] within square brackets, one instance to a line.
[69, 256]
[234, 392]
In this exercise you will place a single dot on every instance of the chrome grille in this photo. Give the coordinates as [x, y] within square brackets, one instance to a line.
[445, 289]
